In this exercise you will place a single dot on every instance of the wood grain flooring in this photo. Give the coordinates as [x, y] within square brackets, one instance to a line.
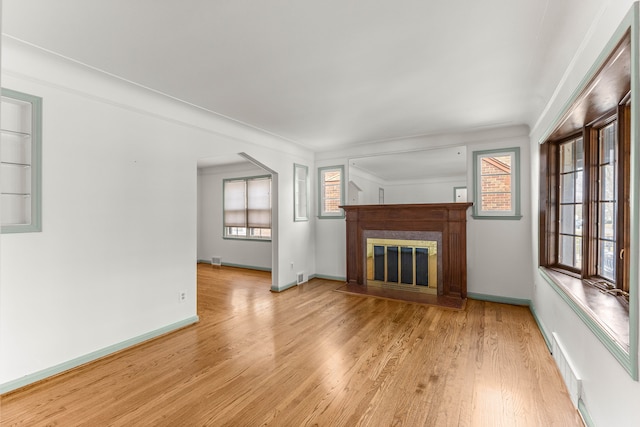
[311, 356]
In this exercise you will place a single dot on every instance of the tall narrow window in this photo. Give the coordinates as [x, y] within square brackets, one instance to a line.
[20, 162]
[331, 191]
[571, 199]
[247, 208]
[496, 184]
[607, 201]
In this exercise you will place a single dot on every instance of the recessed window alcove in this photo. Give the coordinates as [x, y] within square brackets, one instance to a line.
[412, 252]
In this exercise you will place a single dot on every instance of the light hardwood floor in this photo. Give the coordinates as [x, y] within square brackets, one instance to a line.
[312, 356]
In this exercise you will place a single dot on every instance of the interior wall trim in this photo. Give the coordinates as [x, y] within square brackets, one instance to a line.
[93, 356]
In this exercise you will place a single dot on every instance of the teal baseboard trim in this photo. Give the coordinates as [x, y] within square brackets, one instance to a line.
[93, 356]
[284, 288]
[502, 300]
[542, 331]
[586, 418]
[228, 264]
[326, 277]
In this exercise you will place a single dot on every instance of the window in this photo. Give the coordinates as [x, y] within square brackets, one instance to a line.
[247, 208]
[300, 193]
[20, 162]
[331, 191]
[587, 170]
[586, 229]
[497, 184]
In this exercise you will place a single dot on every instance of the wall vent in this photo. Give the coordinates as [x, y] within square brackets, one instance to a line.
[216, 260]
[571, 378]
[300, 278]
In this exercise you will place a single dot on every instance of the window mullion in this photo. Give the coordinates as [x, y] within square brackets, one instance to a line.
[590, 204]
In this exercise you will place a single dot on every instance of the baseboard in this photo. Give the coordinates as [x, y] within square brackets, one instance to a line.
[326, 277]
[586, 418]
[542, 331]
[228, 264]
[499, 299]
[285, 287]
[93, 356]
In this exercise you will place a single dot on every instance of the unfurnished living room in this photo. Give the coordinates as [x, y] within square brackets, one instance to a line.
[329, 213]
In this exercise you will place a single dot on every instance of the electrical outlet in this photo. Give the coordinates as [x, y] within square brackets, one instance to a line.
[182, 296]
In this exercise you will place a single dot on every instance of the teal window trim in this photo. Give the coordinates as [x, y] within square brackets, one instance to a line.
[322, 214]
[515, 213]
[300, 199]
[247, 238]
[35, 193]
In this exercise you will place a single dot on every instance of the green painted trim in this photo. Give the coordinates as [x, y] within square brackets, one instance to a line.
[515, 175]
[632, 20]
[246, 239]
[244, 178]
[507, 218]
[499, 299]
[93, 356]
[327, 277]
[607, 340]
[544, 333]
[284, 288]
[296, 216]
[36, 163]
[228, 264]
[582, 410]
[248, 267]
[342, 191]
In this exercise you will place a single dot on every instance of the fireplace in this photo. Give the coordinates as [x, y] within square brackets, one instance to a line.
[419, 248]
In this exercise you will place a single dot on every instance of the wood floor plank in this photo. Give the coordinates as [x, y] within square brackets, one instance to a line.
[313, 356]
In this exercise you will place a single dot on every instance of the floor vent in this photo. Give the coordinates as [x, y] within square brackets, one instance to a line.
[216, 260]
[300, 278]
[571, 378]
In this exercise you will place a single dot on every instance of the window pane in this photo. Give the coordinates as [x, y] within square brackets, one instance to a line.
[578, 252]
[567, 219]
[579, 154]
[607, 220]
[607, 143]
[567, 247]
[234, 204]
[331, 181]
[496, 202]
[607, 182]
[578, 220]
[566, 157]
[259, 202]
[579, 183]
[606, 262]
[567, 188]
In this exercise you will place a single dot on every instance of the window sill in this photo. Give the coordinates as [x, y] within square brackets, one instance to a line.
[246, 239]
[504, 217]
[604, 314]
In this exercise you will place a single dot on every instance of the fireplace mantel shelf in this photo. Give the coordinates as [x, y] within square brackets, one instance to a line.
[446, 219]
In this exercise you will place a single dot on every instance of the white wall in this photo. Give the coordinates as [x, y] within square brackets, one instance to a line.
[435, 190]
[119, 214]
[246, 253]
[609, 393]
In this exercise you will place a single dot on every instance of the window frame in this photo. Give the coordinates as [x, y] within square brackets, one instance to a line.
[35, 193]
[515, 212]
[300, 180]
[322, 213]
[247, 236]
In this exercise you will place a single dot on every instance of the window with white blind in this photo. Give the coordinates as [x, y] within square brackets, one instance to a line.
[247, 208]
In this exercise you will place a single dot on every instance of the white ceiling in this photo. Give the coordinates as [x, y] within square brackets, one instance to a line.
[326, 73]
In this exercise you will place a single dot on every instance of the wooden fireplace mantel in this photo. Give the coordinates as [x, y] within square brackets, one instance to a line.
[449, 219]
